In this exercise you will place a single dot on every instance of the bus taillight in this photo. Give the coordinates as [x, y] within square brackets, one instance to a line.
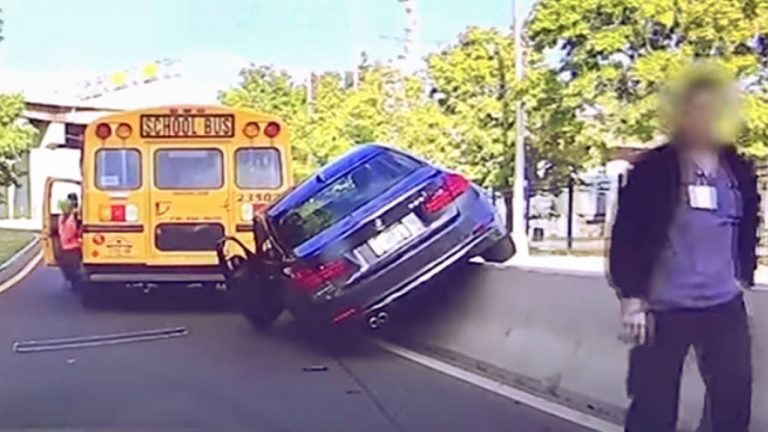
[248, 210]
[272, 130]
[119, 213]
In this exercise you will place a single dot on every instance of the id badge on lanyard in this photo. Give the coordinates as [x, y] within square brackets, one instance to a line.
[702, 197]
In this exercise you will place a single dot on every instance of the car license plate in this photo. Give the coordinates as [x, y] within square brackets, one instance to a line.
[395, 235]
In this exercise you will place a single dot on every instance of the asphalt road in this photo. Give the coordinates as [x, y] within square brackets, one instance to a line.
[222, 376]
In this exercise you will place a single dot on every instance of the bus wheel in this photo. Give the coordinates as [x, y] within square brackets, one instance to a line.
[258, 300]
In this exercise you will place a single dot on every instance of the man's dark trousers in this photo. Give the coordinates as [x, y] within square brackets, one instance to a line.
[720, 335]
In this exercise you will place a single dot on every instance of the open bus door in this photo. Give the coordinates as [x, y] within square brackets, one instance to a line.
[56, 190]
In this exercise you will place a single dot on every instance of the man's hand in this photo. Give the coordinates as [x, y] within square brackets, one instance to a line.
[633, 317]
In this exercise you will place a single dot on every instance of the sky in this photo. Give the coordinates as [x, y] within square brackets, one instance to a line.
[54, 42]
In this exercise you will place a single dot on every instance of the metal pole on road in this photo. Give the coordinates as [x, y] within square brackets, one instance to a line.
[518, 198]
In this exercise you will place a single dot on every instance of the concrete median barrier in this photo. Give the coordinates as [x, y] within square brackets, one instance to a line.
[556, 335]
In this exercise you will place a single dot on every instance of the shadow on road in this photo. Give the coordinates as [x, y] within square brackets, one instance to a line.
[162, 300]
[424, 306]
[428, 304]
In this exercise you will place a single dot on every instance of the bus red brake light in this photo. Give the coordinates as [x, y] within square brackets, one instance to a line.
[312, 278]
[123, 131]
[103, 131]
[454, 185]
[248, 210]
[117, 213]
[272, 130]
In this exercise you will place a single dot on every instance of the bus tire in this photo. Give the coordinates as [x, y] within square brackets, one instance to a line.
[501, 251]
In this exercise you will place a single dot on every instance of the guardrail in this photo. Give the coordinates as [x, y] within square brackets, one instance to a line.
[557, 335]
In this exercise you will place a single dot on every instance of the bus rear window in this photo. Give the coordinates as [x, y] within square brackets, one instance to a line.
[258, 168]
[118, 169]
[189, 169]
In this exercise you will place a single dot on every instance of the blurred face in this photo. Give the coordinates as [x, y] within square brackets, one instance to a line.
[698, 118]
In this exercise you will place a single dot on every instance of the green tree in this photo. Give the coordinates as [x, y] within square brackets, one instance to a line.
[474, 79]
[386, 106]
[263, 88]
[392, 107]
[617, 57]
[16, 134]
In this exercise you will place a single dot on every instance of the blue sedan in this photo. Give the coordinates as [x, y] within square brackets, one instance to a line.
[361, 233]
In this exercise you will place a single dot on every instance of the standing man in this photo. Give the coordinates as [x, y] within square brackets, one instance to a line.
[683, 249]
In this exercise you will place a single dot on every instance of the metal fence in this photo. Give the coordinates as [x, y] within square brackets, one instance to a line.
[576, 218]
[573, 218]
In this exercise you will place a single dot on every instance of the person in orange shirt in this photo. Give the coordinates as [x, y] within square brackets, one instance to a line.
[70, 238]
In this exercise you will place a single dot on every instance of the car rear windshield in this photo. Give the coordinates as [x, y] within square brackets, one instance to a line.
[189, 169]
[118, 169]
[343, 196]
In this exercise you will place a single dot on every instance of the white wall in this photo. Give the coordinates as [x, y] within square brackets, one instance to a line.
[45, 162]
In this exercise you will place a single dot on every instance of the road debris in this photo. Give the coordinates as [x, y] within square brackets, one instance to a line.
[316, 368]
[99, 340]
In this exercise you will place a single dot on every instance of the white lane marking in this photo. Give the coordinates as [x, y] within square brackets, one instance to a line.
[509, 392]
[22, 273]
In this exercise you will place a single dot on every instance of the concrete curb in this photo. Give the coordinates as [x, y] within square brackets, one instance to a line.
[19, 260]
[761, 279]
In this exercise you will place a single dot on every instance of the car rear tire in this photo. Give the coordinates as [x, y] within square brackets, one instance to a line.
[501, 251]
[257, 297]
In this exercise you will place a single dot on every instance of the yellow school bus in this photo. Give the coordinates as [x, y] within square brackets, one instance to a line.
[161, 186]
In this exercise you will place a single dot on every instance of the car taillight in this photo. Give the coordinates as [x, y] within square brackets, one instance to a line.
[119, 213]
[312, 278]
[454, 185]
[248, 210]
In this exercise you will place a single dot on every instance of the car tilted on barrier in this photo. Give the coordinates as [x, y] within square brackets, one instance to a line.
[358, 234]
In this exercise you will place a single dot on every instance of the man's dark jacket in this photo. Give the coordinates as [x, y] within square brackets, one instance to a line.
[647, 205]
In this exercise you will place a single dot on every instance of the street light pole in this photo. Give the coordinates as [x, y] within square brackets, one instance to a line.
[519, 232]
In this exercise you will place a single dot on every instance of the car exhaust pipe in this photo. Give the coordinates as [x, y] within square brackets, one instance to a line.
[383, 317]
[373, 322]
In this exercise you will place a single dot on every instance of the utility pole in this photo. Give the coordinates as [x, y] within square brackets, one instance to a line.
[310, 92]
[519, 232]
